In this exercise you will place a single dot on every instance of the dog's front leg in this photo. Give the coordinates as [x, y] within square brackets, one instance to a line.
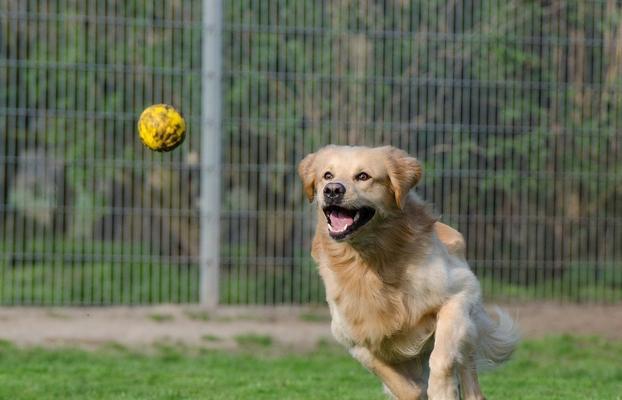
[453, 329]
[399, 386]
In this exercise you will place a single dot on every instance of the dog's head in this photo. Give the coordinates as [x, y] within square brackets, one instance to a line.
[354, 186]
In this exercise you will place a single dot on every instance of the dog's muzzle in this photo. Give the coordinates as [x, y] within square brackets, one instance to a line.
[333, 193]
[343, 222]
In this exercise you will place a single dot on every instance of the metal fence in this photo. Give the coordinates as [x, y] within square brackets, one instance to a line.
[89, 216]
[514, 107]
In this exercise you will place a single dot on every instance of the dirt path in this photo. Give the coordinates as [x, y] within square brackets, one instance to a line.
[295, 327]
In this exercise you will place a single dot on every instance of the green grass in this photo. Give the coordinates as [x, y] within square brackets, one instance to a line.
[198, 315]
[161, 317]
[554, 368]
[211, 338]
[253, 340]
[559, 368]
[315, 316]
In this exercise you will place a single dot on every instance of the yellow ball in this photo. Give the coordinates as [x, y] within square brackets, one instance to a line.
[161, 127]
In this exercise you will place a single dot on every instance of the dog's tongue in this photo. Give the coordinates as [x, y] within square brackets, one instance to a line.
[340, 220]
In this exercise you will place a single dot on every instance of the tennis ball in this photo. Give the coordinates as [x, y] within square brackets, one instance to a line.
[161, 127]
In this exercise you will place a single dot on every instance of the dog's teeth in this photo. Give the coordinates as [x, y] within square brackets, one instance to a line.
[332, 229]
[356, 217]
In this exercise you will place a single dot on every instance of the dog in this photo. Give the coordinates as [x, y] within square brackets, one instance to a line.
[402, 297]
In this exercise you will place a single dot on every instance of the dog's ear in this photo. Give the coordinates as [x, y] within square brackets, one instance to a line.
[404, 173]
[306, 172]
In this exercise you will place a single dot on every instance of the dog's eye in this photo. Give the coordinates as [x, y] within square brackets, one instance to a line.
[328, 176]
[363, 176]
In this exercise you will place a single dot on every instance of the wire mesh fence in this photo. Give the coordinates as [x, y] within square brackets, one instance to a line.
[514, 107]
[88, 216]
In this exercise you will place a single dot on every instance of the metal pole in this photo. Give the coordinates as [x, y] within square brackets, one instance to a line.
[210, 152]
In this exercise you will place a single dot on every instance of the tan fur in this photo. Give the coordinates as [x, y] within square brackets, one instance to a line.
[401, 295]
[404, 172]
[451, 238]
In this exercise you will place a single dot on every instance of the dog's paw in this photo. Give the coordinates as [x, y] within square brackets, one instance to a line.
[474, 397]
[442, 388]
[411, 394]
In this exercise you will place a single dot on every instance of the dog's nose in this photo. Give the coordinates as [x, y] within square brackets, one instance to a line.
[334, 191]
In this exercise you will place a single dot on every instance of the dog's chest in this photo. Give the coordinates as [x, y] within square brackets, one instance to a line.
[383, 334]
[365, 310]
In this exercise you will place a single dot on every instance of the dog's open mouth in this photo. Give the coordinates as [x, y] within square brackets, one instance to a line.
[342, 222]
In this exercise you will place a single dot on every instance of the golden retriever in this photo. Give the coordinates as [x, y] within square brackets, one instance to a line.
[401, 295]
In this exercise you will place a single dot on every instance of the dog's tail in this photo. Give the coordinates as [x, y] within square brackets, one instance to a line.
[497, 338]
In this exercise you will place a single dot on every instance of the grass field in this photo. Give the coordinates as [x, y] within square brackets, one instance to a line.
[554, 368]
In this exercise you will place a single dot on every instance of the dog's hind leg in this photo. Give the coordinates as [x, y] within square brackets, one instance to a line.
[451, 238]
[469, 385]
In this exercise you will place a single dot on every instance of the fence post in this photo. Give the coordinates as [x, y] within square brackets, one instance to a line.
[210, 152]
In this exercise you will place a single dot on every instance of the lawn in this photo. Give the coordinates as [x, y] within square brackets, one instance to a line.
[554, 368]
